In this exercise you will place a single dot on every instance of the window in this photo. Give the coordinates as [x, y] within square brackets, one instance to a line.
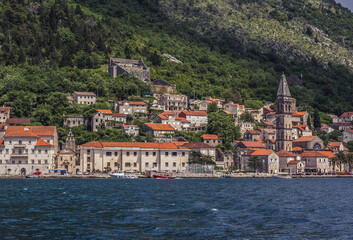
[135, 164]
[108, 164]
[19, 151]
[174, 154]
[32, 150]
[88, 152]
[39, 151]
[183, 164]
[127, 154]
[154, 164]
[115, 164]
[13, 162]
[20, 142]
[46, 151]
[108, 153]
[116, 154]
[183, 154]
[39, 162]
[166, 154]
[10, 142]
[146, 164]
[154, 154]
[0, 161]
[135, 153]
[166, 164]
[19, 162]
[88, 159]
[146, 154]
[127, 164]
[13, 150]
[174, 164]
[46, 161]
[32, 161]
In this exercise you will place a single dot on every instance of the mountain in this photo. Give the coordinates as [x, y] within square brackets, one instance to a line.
[234, 49]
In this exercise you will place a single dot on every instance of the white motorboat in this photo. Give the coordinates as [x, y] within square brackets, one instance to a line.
[124, 175]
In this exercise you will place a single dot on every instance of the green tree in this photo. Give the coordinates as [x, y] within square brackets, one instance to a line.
[223, 126]
[254, 163]
[317, 120]
[212, 107]
[198, 158]
[349, 145]
[247, 117]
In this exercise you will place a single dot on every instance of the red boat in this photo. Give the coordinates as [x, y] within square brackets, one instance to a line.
[163, 175]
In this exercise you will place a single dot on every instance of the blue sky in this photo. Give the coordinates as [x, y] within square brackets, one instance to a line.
[346, 3]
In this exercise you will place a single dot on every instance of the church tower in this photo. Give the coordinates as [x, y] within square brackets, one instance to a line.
[284, 110]
[70, 141]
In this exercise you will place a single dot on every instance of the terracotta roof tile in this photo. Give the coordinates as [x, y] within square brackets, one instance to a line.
[346, 114]
[312, 154]
[328, 154]
[261, 152]
[195, 113]
[85, 93]
[30, 131]
[304, 139]
[294, 162]
[196, 145]
[41, 142]
[284, 153]
[160, 127]
[253, 144]
[5, 109]
[296, 149]
[210, 137]
[2, 142]
[105, 111]
[17, 120]
[119, 115]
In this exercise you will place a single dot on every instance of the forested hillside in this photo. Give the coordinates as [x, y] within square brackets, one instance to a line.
[230, 49]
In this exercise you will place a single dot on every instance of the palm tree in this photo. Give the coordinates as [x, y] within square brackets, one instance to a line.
[341, 158]
[254, 162]
[349, 160]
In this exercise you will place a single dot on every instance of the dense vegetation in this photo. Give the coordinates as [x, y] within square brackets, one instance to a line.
[230, 49]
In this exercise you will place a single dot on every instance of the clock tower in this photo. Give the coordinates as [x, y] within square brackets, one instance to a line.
[283, 117]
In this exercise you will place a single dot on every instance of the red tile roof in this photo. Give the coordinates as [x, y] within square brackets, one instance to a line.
[312, 154]
[304, 139]
[296, 149]
[127, 126]
[210, 137]
[160, 127]
[347, 114]
[298, 114]
[41, 142]
[30, 131]
[195, 113]
[2, 142]
[294, 162]
[350, 130]
[284, 153]
[95, 144]
[334, 144]
[5, 109]
[328, 154]
[105, 111]
[261, 152]
[138, 103]
[17, 120]
[179, 143]
[253, 144]
[254, 132]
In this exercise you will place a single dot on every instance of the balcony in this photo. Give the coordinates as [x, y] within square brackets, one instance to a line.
[19, 145]
[21, 155]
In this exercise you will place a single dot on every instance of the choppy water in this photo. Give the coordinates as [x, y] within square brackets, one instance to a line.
[176, 209]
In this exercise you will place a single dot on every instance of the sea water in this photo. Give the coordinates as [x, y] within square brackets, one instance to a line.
[176, 209]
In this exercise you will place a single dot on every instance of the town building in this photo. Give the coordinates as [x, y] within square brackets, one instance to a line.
[211, 139]
[67, 157]
[160, 87]
[347, 135]
[74, 121]
[173, 102]
[251, 135]
[173, 119]
[337, 147]
[196, 118]
[134, 68]
[286, 157]
[301, 131]
[312, 143]
[83, 98]
[284, 109]
[28, 149]
[203, 105]
[131, 108]
[132, 130]
[346, 117]
[234, 108]
[267, 133]
[138, 157]
[203, 148]
[342, 126]
[250, 144]
[268, 159]
[4, 114]
[100, 118]
[163, 133]
[300, 118]
[315, 162]
[18, 121]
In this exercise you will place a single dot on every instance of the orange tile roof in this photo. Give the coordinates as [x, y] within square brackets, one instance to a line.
[105, 111]
[296, 149]
[41, 142]
[304, 139]
[137, 103]
[284, 153]
[210, 137]
[30, 131]
[253, 144]
[127, 126]
[194, 113]
[298, 114]
[328, 154]
[95, 144]
[350, 130]
[2, 142]
[312, 154]
[179, 143]
[268, 123]
[160, 127]
[334, 144]
[254, 132]
[5, 109]
[261, 152]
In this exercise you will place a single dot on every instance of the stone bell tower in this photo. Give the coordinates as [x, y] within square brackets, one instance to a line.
[70, 141]
[283, 117]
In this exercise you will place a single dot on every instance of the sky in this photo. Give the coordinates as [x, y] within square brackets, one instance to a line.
[346, 3]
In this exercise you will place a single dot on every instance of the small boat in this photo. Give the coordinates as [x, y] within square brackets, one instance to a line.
[163, 175]
[123, 175]
[283, 176]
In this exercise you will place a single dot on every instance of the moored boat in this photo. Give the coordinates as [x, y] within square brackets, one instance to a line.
[123, 175]
[163, 175]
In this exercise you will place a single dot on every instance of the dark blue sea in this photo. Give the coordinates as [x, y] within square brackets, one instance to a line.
[176, 209]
